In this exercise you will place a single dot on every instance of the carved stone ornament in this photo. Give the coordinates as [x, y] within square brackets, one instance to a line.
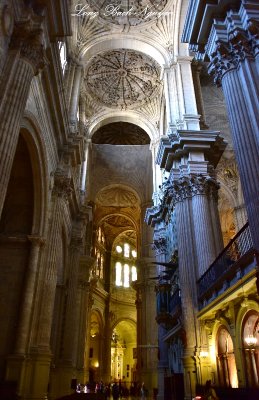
[160, 246]
[127, 12]
[28, 39]
[62, 185]
[117, 197]
[123, 78]
[187, 187]
[227, 56]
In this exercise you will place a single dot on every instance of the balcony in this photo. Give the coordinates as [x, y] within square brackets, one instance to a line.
[233, 263]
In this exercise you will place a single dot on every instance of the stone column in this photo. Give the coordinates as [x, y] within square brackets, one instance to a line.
[72, 317]
[60, 194]
[189, 114]
[16, 363]
[182, 197]
[35, 378]
[234, 55]
[172, 103]
[160, 247]
[202, 222]
[74, 100]
[23, 329]
[83, 306]
[106, 371]
[24, 60]
[146, 325]
[196, 71]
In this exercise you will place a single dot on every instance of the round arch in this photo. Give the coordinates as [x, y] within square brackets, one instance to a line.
[125, 116]
[31, 133]
[115, 41]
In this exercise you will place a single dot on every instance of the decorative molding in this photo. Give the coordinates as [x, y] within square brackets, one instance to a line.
[27, 37]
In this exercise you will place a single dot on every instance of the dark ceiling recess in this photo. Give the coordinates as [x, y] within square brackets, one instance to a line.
[121, 133]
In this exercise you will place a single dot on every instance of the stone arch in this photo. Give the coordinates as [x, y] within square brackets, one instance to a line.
[124, 188]
[144, 45]
[130, 116]
[226, 360]
[31, 133]
[96, 329]
[247, 306]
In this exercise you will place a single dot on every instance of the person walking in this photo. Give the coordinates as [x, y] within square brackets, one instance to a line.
[210, 393]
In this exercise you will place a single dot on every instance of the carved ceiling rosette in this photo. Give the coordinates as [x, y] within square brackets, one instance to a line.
[128, 12]
[123, 78]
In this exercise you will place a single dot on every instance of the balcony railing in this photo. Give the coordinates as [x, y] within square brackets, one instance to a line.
[237, 254]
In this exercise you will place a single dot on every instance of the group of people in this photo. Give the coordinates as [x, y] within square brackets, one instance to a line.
[117, 390]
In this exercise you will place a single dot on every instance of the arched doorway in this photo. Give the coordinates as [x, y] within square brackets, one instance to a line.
[95, 348]
[123, 345]
[250, 340]
[226, 363]
[15, 227]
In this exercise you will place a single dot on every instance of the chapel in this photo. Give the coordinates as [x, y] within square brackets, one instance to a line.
[129, 198]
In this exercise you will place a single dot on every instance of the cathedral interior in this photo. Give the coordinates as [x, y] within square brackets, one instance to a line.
[129, 197]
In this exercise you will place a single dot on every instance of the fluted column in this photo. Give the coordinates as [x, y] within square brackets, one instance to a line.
[187, 278]
[71, 323]
[160, 247]
[171, 97]
[234, 66]
[25, 58]
[23, 330]
[201, 187]
[147, 328]
[83, 307]
[75, 93]
[106, 371]
[60, 194]
[186, 93]
[196, 70]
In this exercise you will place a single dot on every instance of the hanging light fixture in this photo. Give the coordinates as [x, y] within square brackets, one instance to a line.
[250, 340]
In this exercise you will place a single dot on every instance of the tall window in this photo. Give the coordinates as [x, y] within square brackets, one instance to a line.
[63, 55]
[125, 270]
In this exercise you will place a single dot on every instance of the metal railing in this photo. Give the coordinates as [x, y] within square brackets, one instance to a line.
[219, 270]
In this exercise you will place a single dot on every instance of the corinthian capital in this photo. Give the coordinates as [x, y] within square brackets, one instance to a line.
[28, 39]
[222, 60]
[202, 185]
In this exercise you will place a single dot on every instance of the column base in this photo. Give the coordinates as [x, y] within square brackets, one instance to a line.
[190, 377]
[31, 373]
[63, 380]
